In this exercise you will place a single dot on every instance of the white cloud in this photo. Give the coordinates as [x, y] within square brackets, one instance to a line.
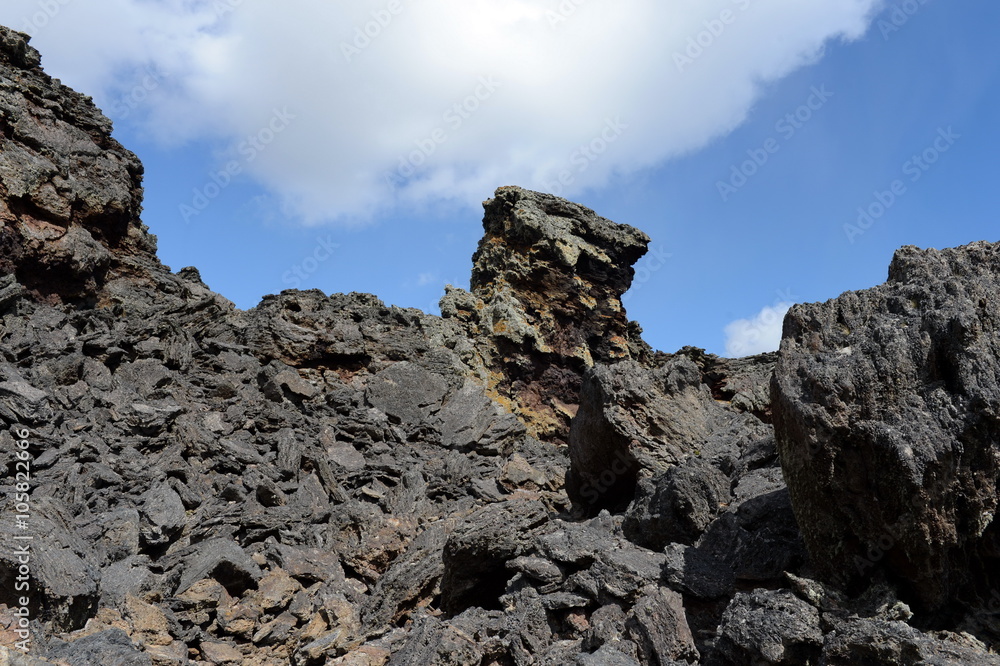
[560, 75]
[745, 337]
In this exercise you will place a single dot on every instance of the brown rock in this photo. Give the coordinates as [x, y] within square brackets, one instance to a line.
[275, 590]
[149, 624]
[545, 302]
[221, 653]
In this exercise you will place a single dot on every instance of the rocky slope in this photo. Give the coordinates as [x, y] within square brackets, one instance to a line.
[330, 480]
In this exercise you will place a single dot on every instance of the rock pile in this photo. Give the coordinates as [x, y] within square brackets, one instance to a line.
[330, 480]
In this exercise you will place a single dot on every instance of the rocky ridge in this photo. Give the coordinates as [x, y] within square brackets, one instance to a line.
[330, 480]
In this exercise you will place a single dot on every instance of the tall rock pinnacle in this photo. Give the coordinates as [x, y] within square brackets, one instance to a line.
[547, 282]
[70, 195]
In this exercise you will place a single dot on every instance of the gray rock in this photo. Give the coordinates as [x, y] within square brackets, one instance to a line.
[110, 648]
[162, 514]
[607, 655]
[437, 643]
[886, 643]
[885, 404]
[698, 572]
[54, 563]
[406, 392]
[20, 402]
[222, 560]
[677, 506]
[769, 627]
[477, 552]
[633, 418]
[545, 302]
[658, 625]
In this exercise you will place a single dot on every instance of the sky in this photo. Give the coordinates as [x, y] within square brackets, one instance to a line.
[776, 151]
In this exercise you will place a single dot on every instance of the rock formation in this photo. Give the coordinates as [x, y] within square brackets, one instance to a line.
[330, 480]
[887, 412]
[547, 282]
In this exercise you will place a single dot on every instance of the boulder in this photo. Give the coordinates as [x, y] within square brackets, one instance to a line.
[886, 409]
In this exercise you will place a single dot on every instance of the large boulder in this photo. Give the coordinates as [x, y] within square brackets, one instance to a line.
[886, 412]
[545, 301]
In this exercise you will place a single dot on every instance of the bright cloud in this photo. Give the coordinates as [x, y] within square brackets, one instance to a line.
[762, 333]
[399, 104]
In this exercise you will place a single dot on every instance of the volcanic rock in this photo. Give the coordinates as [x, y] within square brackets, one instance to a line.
[886, 409]
[545, 302]
[70, 195]
[325, 479]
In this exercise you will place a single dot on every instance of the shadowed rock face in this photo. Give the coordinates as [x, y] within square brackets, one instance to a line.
[70, 195]
[887, 416]
[546, 303]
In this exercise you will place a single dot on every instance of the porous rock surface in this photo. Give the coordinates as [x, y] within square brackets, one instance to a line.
[887, 412]
[331, 480]
[545, 302]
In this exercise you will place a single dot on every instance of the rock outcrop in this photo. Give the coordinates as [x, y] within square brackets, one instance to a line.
[545, 305]
[70, 195]
[330, 480]
[887, 414]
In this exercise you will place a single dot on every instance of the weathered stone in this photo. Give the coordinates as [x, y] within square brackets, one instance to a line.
[886, 406]
[546, 290]
[406, 392]
[162, 514]
[71, 193]
[54, 563]
[677, 506]
[658, 625]
[222, 560]
[476, 554]
[772, 627]
[886, 643]
[633, 418]
[109, 648]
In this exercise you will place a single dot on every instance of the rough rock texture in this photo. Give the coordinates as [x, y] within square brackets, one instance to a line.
[637, 419]
[545, 302]
[887, 409]
[70, 195]
[329, 480]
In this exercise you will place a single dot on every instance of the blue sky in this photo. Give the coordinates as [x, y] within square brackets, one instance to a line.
[776, 151]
